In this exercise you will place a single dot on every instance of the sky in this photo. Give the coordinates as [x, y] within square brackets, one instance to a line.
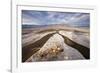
[31, 17]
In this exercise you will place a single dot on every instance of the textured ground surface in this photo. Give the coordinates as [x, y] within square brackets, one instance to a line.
[52, 45]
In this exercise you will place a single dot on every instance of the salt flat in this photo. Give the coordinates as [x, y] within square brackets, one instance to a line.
[54, 43]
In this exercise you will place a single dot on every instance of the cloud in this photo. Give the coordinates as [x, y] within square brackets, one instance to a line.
[48, 17]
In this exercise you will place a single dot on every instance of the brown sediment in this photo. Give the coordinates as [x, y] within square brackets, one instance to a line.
[27, 50]
[82, 49]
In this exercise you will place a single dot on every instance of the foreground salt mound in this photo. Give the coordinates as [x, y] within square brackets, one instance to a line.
[56, 49]
[51, 49]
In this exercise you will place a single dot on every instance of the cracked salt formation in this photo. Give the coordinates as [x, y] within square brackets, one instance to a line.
[55, 49]
[51, 49]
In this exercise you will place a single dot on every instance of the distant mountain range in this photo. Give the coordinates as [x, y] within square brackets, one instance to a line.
[52, 25]
[33, 26]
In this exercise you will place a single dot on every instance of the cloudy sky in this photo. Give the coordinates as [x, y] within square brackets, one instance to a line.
[31, 17]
